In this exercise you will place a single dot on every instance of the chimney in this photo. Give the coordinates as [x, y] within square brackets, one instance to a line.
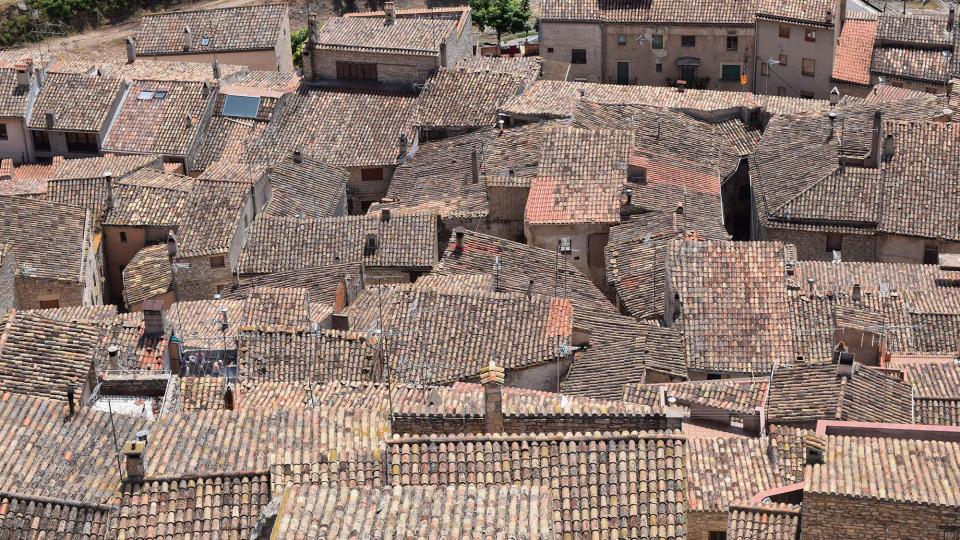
[946, 115]
[340, 321]
[51, 119]
[492, 377]
[389, 14]
[403, 145]
[679, 210]
[371, 244]
[23, 77]
[681, 85]
[951, 17]
[814, 449]
[229, 400]
[810, 282]
[443, 54]
[153, 317]
[71, 396]
[171, 245]
[889, 148]
[298, 156]
[136, 464]
[857, 294]
[458, 233]
[205, 90]
[844, 361]
[187, 38]
[188, 121]
[629, 194]
[216, 70]
[529, 288]
[131, 50]
[311, 28]
[385, 215]
[474, 167]
[876, 143]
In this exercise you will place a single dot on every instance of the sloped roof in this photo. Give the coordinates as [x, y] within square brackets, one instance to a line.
[47, 238]
[821, 13]
[244, 28]
[307, 357]
[851, 62]
[322, 282]
[462, 98]
[97, 167]
[721, 471]
[738, 395]
[150, 198]
[148, 274]
[310, 188]
[211, 217]
[13, 96]
[726, 12]
[764, 522]
[42, 517]
[78, 102]
[407, 35]
[225, 139]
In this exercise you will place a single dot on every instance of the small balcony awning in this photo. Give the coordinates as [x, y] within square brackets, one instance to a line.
[688, 61]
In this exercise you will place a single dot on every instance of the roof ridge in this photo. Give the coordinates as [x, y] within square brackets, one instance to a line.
[56, 501]
[559, 437]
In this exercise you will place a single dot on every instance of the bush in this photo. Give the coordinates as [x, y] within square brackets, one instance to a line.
[298, 40]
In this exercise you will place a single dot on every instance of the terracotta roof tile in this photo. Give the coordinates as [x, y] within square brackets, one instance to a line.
[118, 166]
[820, 12]
[243, 28]
[150, 198]
[13, 95]
[737, 395]
[148, 274]
[408, 35]
[721, 471]
[323, 282]
[764, 522]
[225, 139]
[914, 64]
[462, 98]
[651, 12]
[211, 217]
[854, 50]
[47, 238]
[308, 357]
[913, 28]
[310, 188]
[42, 517]
[77, 102]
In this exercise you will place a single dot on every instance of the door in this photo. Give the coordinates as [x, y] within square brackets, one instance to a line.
[623, 72]
[688, 73]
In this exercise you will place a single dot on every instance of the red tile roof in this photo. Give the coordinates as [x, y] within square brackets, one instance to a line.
[852, 58]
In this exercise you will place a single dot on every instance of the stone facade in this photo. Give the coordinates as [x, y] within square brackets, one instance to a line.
[812, 245]
[788, 79]
[828, 517]
[201, 279]
[587, 241]
[7, 271]
[361, 193]
[121, 243]
[701, 524]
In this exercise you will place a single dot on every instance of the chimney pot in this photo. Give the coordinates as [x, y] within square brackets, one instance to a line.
[188, 121]
[131, 50]
[171, 245]
[187, 38]
[389, 13]
[229, 402]
[298, 156]
[492, 378]
[136, 464]
[404, 147]
[51, 119]
[629, 193]
[951, 18]
[681, 85]
[23, 76]
[458, 234]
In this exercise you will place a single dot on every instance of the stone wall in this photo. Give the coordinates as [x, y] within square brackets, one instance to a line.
[828, 517]
[200, 281]
[812, 246]
[30, 292]
[700, 524]
[406, 69]
[7, 287]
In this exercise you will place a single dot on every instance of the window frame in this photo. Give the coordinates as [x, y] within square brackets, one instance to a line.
[784, 31]
[764, 69]
[736, 43]
[688, 40]
[782, 58]
[621, 39]
[81, 142]
[803, 67]
[810, 35]
[834, 243]
[367, 174]
[4, 136]
[123, 237]
[218, 261]
[43, 144]
[658, 67]
[578, 56]
[656, 41]
[929, 249]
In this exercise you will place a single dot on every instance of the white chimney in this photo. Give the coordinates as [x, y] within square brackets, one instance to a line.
[389, 14]
[187, 38]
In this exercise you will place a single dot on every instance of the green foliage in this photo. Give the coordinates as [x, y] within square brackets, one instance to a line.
[503, 16]
[298, 40]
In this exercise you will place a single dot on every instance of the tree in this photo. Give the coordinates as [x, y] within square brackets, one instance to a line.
[503, 16]
[298, 40]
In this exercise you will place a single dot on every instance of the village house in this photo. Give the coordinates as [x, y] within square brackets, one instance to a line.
[387, 48]
[460, 100]
[57, 255]
[254, 36]
[148, 276]
[734, 405]
[19, 85]
[58, 127]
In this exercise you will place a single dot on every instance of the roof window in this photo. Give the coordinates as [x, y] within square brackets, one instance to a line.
[241, 106]
[204, 41]
[145, 95]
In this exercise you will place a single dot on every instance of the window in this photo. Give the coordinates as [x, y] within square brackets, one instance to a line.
[217, 261]
[806, 95]
[781, 90]
[764, 69]
[549, 49]
[809, 67]
[657, 41]
[730, 72]
[733, 43]
[834, 242]
[160, 94]
[41, 141]
[783, 60]
[371, 175]
[621, 39]
[205, 41]
[931, 254]
[578, 56]
[717, 535]
[688, 41]
[3, 132]
[123, 237]
[951, 533]
[637, 174]
[241, 106]
[688, 73]
[82, 142]
[356, 71]
[49, 304]
[145, 95]
[810, 35]
[659, 67]
[784, 31]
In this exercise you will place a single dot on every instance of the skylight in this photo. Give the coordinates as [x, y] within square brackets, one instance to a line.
[204, 41]
[241, 106]
[145, 95]
[160, 94]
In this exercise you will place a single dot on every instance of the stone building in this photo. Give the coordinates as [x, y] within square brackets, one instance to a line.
[19, 85]
[254, 36]
[391, 47]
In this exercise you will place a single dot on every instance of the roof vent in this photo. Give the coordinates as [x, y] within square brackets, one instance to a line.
[371, 245]
[459, 233]
[188, 121]
[131, 50]
[389, 14]
[51, 119]
[385, 215]
[298, 156]
[889, 148]
[681, 85]
[136, 464]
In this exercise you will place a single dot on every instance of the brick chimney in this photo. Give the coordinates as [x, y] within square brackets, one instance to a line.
[131, 50]
[492, 377]
[23, 76]
[136, 462]
[844, 361]
[6, 169]
[153, 317]
[389, 14]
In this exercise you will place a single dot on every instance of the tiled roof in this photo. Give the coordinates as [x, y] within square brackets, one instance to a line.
[211, 217]
[524, 67]
[851, 62]
[630, 485]
[149, 198]
[764, 522]
[310, 188]
[809, 393]
[41, 356]
[914, 29]
[733, 304]
[328, 124]
[933, 379]
[415, 511]
[42, 517]
[275, 309]
[440, 179]
[437, 337]
[322, 282]
[45, 456]
[47, 238]
[558, 99]
[636, 267]
[104, 314]
[268, 80]
[839, 278]
[148, 274]
[738, 395]
[281, 243]
[149, 123]
[621, 352]
[725, 12]
[307, 357]
[937, 411]
[915, 64]
[78, 102]
[461, 98]
[819, 12]
[96, 167]
[161, 70]
[28, 180]
[721, 471]
[225, 138]
[223, 506]
[869, 468]
[521, 266]
[89, 193]
[197, 323]
[243, 28]
[407, 35]
[580, 177]
[13, 96]
[788, 451]
[921, 197]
